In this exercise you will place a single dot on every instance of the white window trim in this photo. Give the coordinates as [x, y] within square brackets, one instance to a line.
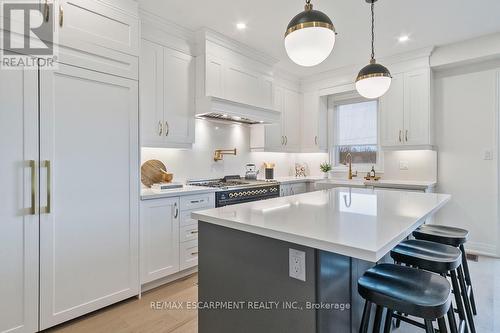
[350, 98]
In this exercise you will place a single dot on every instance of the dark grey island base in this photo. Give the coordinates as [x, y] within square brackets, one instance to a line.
[250, 274]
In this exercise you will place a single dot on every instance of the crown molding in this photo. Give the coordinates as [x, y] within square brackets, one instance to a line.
[206, 34]
[167, 26]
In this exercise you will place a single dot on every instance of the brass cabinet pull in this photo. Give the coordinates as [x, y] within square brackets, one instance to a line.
[286, 140]
[47, 209]
[194, 253]
[61, 16]
[167, 128]
[399, 135]
[32, 165]
[316, 140]
[282, 140]
[406, 135]
[176, 214]
[160, 128]
[46, 12]
[194, 232]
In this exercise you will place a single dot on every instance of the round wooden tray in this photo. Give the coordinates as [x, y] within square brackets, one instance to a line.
[152, 172]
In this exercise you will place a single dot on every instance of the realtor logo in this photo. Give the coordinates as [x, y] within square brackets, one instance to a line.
[28, 35]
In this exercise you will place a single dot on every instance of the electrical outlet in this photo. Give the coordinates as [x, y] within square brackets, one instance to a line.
[403, 165]
[297, 264]
[488, 155]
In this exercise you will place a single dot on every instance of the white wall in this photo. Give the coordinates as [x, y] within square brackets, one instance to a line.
[466, 106]
[198, 163]
[422, 165]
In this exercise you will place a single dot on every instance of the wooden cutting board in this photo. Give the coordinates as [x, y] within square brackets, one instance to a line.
[151, 172]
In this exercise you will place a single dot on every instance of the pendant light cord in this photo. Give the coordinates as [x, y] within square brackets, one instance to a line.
[373, 29]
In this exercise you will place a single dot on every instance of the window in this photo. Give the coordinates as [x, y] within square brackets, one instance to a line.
[355, 125]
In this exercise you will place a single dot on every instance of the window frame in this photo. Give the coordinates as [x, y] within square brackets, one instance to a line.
[334, 101]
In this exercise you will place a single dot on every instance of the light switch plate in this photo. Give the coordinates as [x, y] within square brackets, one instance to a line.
[403, 165]
[297, 264]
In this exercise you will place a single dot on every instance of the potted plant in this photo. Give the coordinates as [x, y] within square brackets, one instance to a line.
[325, 168]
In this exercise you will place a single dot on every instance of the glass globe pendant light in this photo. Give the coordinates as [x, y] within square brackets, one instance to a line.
[374, 79]
[309, 37]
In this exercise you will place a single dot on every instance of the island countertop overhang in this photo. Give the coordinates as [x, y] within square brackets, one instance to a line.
[358, 223]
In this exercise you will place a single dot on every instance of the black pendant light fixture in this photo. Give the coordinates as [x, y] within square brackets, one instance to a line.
[309, 37]
[374, 79]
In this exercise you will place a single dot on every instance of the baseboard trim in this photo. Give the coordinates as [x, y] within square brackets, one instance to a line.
[167, 279]
[481, 249]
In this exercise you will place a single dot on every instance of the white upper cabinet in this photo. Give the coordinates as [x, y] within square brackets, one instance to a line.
[291, 120]
[179, 97]
[391, 112]
[91, 23]
[151, 92]
[314, 123]
[107, 32]
[285, 135]
[406, 112]
[167, 96]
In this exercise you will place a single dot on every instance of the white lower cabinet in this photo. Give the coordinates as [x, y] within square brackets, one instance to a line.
[188, 254]
[160, 238]
[169, 236]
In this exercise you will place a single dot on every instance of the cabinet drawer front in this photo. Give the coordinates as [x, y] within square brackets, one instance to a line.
[200, 201]
[186, 219]
[188, 254]
[92, 24]
[188, 233]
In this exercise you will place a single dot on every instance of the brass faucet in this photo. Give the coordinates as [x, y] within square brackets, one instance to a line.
[219, 153]
[350, 175]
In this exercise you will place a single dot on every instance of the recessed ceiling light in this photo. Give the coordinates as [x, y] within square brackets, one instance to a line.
[403, 38]
[241, 26]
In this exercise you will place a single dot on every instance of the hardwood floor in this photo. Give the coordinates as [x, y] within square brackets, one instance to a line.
[137, 316]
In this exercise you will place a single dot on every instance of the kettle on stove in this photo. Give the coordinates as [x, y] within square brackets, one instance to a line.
[252, 172]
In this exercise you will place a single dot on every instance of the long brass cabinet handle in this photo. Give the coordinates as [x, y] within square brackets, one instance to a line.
[47, 209]
[282, 140]
[167, 128]
[32, 209]
[160, 128]
[194, 232]
[399, 135]
[61, 16]
[286, 140]
[316, 140]
[194, 253]
[406, 135]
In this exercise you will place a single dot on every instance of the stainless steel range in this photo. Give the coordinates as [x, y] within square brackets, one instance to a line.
[235, 190]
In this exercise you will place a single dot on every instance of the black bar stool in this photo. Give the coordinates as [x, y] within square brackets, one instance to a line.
[438, 258]
[451, 236]
[404, 289]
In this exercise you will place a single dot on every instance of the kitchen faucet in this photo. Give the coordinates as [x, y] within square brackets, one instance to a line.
[350, 175]
[219, 153]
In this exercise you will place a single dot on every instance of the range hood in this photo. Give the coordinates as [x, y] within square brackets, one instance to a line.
[215, 108]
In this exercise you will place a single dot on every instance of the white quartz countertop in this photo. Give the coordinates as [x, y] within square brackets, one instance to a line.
[293, 179]
[147, 194]
[359, 223]
[388, 183]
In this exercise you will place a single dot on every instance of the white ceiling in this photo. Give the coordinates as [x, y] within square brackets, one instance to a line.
[428, 22]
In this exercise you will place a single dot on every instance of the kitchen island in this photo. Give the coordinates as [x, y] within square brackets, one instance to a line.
[325, 239]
